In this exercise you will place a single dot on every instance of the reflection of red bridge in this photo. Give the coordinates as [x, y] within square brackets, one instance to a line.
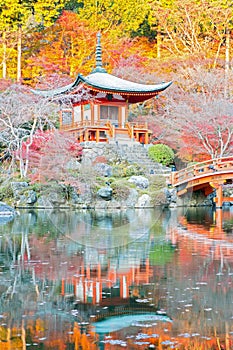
[205, 241]
[205, 176]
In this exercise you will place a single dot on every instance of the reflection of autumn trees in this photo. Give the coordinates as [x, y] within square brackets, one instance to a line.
[193, 287]
[34, 332]
[202, 298]
[161, 337]
[30, 296]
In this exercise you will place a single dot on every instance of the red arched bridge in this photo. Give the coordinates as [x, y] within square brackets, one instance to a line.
[206, 176]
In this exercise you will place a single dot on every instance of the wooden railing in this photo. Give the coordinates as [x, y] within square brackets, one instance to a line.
[138, 125]
[129, 129]
[224, 164]
[111, 128]
[80, 124]
[85, 123]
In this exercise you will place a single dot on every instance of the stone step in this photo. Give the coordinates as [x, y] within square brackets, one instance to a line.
[134, 153]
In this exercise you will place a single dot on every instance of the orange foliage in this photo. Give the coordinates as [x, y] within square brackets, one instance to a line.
[191, 149]
[66, 48]
[83, 341]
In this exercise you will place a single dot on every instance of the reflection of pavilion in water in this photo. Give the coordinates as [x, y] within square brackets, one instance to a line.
[115, 257]
[111, 279]
[100, 271]
[92, 275]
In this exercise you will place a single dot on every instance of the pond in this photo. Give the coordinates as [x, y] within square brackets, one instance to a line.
[135, 279]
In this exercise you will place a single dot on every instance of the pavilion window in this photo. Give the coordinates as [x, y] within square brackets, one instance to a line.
[109, 113]
[66, 117]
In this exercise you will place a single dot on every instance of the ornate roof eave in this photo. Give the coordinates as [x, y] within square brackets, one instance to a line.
[61, 90]
[109, 83]
[130, 93]
[119, 86]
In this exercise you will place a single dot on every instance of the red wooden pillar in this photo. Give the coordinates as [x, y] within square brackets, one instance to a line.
[86, 135]
[218, 219]
[219, 197]
[94, 291]
[99, 272]
[97, 136]
[88, 272]
[219, 193]
[62, 287]
[147, 270]
[121, 287]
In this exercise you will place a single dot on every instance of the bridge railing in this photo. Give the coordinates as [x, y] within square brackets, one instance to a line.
[200, 169]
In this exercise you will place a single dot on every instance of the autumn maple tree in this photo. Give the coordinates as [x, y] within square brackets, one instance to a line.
[37, 37]
[66, 49]
[51, 152]
[22, 113]
[17, 20]
[199, 114]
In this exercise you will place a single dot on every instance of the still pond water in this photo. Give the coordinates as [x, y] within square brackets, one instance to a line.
[134, 279]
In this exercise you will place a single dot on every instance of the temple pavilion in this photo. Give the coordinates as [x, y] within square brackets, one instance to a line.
[99, 103]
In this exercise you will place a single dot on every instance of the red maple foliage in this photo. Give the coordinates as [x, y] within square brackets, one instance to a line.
[50, 154]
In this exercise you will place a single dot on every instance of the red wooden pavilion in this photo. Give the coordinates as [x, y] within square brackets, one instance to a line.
[96, 107]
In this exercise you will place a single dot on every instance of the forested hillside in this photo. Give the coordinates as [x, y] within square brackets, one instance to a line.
[47, 43]
[40, 37]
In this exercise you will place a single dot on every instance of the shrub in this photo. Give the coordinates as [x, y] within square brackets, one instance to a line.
[125, 169]
[158, 198]
[120, 190]
[156, 190]
[161, 153]
[157, 182]
[6, 192]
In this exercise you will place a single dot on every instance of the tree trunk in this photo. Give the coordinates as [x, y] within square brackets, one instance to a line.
[19, 54]
[28, 145]
[227, 53]
[159, 41]
[72, 70]
[227, 63]
[4, 55]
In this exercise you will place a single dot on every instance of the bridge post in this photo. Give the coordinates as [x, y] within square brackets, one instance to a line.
[172, 177]
[219, 197]
[218, 219]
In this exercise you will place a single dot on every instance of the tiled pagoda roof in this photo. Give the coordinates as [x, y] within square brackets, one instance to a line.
[99, 81]
[107, 83]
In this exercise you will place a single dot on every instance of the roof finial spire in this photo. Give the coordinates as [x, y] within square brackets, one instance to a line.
[98, 54]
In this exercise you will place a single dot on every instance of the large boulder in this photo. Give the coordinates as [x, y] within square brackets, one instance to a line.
[73, 165]
[17, 188]
[105, 193]
[56, 198]
[104, 169]
[132, 198]
[7, 213]
[144, 201]
[31, 197]
[139, 181]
